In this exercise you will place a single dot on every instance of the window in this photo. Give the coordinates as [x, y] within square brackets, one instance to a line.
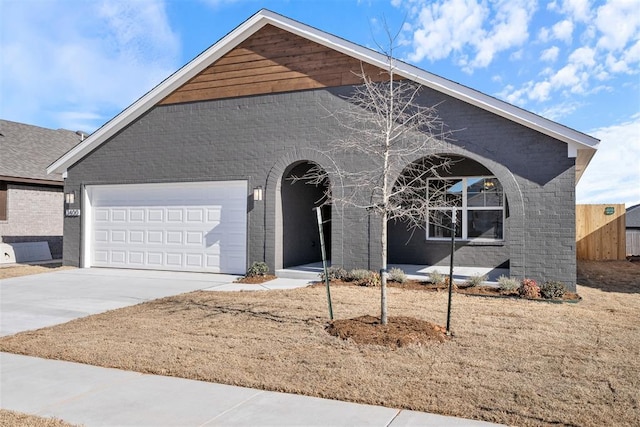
[480, 208]
[3, 201]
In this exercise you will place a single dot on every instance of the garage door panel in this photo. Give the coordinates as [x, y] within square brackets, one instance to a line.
[102, 215]
[136, 236]
[154, 259]
[195, 215]
[155, 215]
[136, 215]
[174, 237]
[136, 258]
[118, 257]
[174, 260]
[101, 257]
[194, 238]
[118, 236]
[191, 227]
[102, 236]
[174, 215]
[194, 260]
[118, 215]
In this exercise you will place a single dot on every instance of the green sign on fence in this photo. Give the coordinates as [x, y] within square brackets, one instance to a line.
[609, 210]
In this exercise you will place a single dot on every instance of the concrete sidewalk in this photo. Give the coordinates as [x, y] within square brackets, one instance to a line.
[93, 396]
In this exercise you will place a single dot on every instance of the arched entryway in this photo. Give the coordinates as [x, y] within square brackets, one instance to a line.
[299, 197]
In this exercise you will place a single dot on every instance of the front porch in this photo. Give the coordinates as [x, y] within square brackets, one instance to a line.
[417, 272]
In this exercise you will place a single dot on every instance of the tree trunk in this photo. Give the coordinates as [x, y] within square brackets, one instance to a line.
[383, 271]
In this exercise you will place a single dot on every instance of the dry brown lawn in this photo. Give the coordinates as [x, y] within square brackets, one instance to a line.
[7, 272]
[510, 361]
[11, 418]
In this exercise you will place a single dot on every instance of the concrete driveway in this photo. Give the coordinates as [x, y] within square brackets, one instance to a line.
[37, 301]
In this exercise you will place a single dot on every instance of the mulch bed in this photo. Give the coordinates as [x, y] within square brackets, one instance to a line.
[255, 280]
[398, 332]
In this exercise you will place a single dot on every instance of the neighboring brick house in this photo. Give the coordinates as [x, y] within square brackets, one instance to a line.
[194, 175]
[31, 201]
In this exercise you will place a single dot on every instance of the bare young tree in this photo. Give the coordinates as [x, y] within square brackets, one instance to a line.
[399, 137]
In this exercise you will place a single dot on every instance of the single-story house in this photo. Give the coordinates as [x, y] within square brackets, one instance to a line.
[31, 201]
[195, 174]
[632, 225]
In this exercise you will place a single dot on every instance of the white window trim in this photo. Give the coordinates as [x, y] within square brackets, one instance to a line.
[462, 212]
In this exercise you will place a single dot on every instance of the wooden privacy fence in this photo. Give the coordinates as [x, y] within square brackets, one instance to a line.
[600, 232]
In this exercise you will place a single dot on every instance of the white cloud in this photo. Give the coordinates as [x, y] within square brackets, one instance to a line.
[583, 56]
[509, 29]
[544, 34]
[84, 58]
[445, 27]
[613, 176]
[609, 46]
[557, 111]
[550, 55]
[470, 30]
[563, 31]
[619, 23]
[540, 91]
[578, 10]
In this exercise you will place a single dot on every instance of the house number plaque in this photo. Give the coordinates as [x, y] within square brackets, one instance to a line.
[72, 212]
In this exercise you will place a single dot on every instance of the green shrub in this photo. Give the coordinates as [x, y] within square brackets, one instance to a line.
[476, 280]
[529, 289]
[335, 273]
[397, 275]
[258, 268]
[358, 274]
[552, 290]
[507, 283]
[436, 277]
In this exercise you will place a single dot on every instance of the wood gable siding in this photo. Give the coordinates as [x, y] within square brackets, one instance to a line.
[271, 61]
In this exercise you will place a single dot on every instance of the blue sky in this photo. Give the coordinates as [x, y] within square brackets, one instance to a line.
[75, 64]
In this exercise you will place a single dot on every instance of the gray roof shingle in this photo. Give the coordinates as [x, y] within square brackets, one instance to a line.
[26, 150]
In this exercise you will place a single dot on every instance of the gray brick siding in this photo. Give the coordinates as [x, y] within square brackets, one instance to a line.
[257, 138]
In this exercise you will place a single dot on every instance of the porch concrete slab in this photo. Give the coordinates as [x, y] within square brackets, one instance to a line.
[40, 300]
[312, 272]
[460, 273]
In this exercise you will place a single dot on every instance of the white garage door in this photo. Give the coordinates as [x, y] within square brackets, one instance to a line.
[182, 226]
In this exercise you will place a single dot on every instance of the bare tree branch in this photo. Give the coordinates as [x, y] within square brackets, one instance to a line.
[400, 138]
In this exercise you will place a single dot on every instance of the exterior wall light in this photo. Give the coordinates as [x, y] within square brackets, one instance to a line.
[70, 198]
[257, 194]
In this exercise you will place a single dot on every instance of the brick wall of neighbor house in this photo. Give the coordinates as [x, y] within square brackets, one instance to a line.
[34, 213]
[256, 137]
